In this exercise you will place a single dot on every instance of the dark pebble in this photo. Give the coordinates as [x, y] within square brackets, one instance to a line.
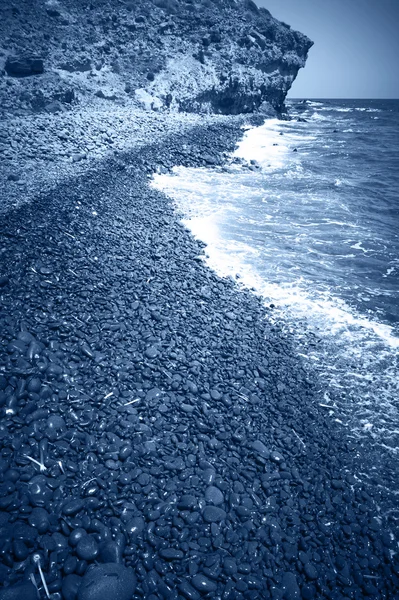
[213, 495]
[112, 551]
[187, 502]
[310, 571]
[23, 591]
[213, 514]
[260, 448]
[76, 535]
[39, 518]
[171, 554]
[290, 587]
[188, 591]
[70, 586]
[87, 548]
[73, 507]
[107, 581]
[203, 584]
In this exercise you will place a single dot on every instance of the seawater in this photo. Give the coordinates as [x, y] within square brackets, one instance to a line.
[315, 231]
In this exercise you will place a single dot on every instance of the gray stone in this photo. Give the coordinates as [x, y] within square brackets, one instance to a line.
[213, 495]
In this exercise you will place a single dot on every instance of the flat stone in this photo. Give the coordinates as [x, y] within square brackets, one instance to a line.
[260, 448]
[107, 581]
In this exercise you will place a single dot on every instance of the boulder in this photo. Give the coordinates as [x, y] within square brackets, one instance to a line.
[24, 66]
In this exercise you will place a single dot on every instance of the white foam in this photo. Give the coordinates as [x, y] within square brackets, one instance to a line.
[212, 202]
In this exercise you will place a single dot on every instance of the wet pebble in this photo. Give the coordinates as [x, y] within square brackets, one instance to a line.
[87, 548]
[203, 584]
[76, 535]
[276, 457]
[39, 518]
[171, 554]
[72, 507]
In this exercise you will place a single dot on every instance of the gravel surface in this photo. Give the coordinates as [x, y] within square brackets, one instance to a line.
[159, 435]
[40, 151]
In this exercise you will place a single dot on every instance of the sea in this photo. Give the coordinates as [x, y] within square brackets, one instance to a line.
[315, 232]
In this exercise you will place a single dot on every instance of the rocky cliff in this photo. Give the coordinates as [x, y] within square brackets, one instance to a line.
[223, 56]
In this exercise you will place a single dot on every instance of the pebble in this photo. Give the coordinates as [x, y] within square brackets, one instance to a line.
[213, 495]
[276, 457]
[260, 449]
[70, 586]
[310, 571]
[73, 507]
[39, 518]
[290, 587]
[107, 581]
[76, 535]
[213, 514]
[87, 548]
[22, 591]
[203, 584]
[171, 554]
[151, 352]
[112, 551]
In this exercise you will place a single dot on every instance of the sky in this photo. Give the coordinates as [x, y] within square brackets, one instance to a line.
[356, 46]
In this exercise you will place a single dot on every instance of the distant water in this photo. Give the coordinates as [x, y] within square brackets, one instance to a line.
[316, 232]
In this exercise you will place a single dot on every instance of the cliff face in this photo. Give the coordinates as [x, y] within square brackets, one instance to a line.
[223, 56]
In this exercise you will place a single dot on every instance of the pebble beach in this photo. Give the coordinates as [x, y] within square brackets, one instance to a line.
[160, 437]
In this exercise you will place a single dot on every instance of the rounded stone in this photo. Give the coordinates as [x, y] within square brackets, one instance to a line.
[72, 507]
[135, 526]
[55, 422]
[310, 571]
[39, 518]
[76, 535]
[213, 495]
[203, 584]
[107, 581]
[34, 385]
[171, 554]
[213, 514]
[87, 548]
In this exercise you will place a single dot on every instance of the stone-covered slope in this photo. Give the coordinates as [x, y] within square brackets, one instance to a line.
[225, 56]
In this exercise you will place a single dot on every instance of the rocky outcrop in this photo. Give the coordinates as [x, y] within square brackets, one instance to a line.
[24, 66]
[223, 56]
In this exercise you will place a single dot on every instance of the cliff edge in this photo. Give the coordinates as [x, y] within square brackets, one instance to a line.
[219, 56]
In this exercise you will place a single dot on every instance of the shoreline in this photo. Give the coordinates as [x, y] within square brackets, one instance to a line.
[185, 424]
